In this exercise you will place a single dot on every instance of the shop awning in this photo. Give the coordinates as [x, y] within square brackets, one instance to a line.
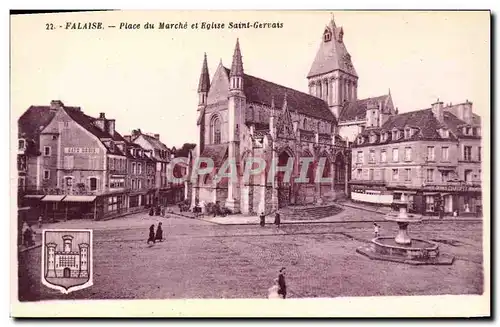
[53, 198]
[79, 198]
[33, 196]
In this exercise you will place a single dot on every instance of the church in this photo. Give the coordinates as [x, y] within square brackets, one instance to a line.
[241, 116]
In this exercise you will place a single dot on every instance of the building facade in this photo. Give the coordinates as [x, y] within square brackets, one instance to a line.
[72, 165]
[161, 155]
[433, 156]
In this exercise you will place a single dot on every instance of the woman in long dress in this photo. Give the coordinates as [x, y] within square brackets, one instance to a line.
[159, 233]
[151, 234]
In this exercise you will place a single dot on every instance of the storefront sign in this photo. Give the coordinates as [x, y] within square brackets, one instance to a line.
[453, 188]
[81, 150]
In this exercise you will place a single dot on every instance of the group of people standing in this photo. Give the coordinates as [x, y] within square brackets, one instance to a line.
[157, 211]
[158, 236]
[277, 219]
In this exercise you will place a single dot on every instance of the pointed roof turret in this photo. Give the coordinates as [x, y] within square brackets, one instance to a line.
[332, 53]
[237, 65]
[204, 83]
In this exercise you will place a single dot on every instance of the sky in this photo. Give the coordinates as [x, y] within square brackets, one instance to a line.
[148, 79]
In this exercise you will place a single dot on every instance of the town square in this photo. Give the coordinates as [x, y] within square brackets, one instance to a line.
[202, 259]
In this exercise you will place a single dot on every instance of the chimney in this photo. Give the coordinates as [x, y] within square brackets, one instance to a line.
[157, 136]
[111, 127]
[437, 110]
[55, 105]
[101, 122]
[467, 112]
[136, 132]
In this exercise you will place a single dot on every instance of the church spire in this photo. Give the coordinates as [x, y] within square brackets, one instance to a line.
[236, 74]
[332, 21]
[204, 83]
[237, 65]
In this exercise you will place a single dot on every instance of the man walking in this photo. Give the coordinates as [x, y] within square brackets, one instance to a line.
[262, 219]
[277, 219]
[282, 283]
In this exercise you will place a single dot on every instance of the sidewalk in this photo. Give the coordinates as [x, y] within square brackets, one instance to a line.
[353, 212]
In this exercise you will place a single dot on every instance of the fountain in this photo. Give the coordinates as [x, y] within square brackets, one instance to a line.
[403, 248]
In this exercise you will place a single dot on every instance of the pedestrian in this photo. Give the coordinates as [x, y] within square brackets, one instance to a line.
[376, 229]
[272, 292]
[277, 219]
[151, 211]
[262, 219]
[282, 283]
[151, 234]
[441, 211]
[163, 212]
[159, 233]
[40, 222]
[28, 236]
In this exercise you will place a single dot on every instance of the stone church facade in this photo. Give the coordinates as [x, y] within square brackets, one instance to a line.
[242, 116]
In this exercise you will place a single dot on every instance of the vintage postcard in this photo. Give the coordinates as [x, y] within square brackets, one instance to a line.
[250, 163]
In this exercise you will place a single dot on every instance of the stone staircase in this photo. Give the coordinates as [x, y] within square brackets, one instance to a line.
[309, 212]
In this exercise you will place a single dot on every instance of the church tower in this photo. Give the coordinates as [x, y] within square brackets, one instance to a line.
[203, 88]
[332, 76]
[236, 120]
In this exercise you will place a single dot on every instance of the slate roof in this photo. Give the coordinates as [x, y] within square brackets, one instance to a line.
[332, 55]
[423, 121]
[262, 92]
[204, 83]
[216, 152]
[356, 110]
[87, 122]
[155, 143]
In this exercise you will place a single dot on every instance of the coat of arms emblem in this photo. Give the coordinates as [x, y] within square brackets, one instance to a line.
[67, 259]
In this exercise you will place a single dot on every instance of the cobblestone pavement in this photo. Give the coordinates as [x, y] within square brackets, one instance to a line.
[199, 259]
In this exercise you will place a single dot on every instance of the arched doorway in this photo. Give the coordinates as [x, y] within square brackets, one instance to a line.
[66, 273]
[283, 183]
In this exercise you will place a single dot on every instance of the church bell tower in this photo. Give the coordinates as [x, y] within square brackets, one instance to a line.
[333, 77]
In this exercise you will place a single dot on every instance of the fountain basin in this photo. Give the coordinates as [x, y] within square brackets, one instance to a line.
[417, 249]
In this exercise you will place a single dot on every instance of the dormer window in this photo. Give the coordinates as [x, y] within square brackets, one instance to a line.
[373, 138]
[327, 36]
[383, 137]
[407, 133]
[395, 135]
[444, 133]
[360, 140]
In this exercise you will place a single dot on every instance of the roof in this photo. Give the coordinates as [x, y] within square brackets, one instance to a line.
[204, 83]
[356, 110]
[216, 152]
[237, 65]
[34, 120]
[332, 55]
[262, 92]
[87, 122]
[155, 143]
[424, 121]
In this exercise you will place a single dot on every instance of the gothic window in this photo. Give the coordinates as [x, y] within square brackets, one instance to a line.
[215, 132]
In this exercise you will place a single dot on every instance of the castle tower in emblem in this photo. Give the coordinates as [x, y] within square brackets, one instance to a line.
[67, 263]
